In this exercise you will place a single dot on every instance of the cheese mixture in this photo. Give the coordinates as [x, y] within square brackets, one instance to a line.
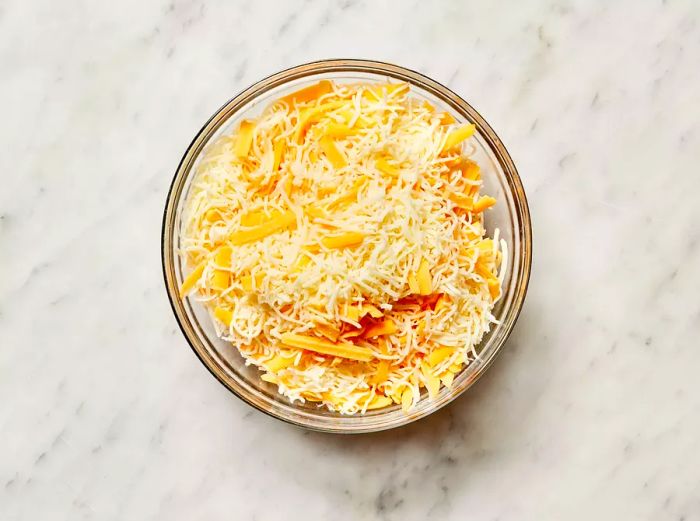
[338, 243]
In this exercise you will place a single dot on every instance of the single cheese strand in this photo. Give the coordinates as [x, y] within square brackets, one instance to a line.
[245, 139]
[379, 402]
[494, 286]
[301, 262]
[192, 278]
[220, 280]
[278, 150]
[439, 355]
[487, 247]
[315, 211]
[257, 217]
[332, 153]
[269, 377]
[254, 218]
[371, 310]
[337, 130]
[213, 215]
[279, 362]
[465, 202]
[382, 373]
[455, 368]
[447, 119]
[276, 224]
[351, 313]
[309, 93]
[447, 379]
[311, 116]
[222, 258]
[470, 170]
[354, 333]
[351, 195]
[458, 135]
[224, 315]
[325, 347]
[481, 269]
[483, 203]
[247, 281]
[330, 332]
[413, 284]
[385, 327]
[346, 240]
[425, 283]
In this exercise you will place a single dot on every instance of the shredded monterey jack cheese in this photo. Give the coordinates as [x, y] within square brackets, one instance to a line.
[338, 242]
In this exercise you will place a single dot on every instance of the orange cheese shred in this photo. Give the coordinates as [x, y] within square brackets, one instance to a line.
[223, 315]
[247, 281]
[458, 135]
[276, 224]
[483, 203]
[245, 139]
[278, 149]
[310, 93]
[332, 153]
[325, 347]
[346, 240]
[385, 327]
[192, 278]
[425, 283]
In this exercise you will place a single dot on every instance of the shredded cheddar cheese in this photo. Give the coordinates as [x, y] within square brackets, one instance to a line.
[338, 243]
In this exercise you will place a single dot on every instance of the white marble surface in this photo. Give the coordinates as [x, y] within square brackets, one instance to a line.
[591, 412]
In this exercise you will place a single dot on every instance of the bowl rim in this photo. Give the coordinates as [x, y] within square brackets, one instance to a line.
[359, 66]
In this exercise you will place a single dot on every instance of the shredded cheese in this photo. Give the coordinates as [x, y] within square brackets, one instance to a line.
[338, 242]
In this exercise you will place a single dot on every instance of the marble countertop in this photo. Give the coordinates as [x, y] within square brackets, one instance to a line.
[591, 412]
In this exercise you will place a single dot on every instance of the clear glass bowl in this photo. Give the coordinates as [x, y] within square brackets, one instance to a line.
[510, 215]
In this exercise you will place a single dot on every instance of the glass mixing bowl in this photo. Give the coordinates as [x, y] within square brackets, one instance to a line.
[510, 215]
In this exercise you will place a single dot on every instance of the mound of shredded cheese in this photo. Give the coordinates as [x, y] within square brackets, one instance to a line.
[338, 242]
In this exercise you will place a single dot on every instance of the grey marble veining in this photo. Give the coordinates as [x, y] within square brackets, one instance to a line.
[591, 412]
